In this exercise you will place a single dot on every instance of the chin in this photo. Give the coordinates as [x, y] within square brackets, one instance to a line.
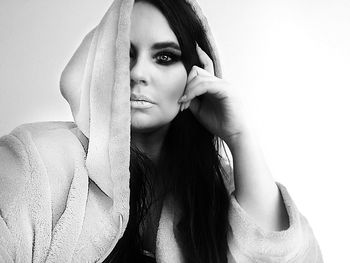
[148, 127]
[142, 126]
[143, 123]
[141, 129]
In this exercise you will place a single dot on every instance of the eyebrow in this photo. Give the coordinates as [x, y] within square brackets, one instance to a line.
[161, 45]
[166, 44]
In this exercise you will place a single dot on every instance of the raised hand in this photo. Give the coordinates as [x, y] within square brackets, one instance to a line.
[220, 108]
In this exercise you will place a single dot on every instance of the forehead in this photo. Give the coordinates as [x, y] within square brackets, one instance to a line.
[149, 25]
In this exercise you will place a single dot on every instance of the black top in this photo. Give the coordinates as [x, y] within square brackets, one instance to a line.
[145, 257]
[138, 256]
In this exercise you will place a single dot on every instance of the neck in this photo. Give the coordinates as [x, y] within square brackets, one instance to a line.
[150, 143]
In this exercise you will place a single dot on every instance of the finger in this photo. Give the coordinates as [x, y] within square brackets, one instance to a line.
[201, 87]
[202, 72]
[181, 106]
[205, 60]
[186, 105]
[194, 73]
[193, 83]
[197, 71]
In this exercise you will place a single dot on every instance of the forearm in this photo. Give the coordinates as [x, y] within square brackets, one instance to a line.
[255, 188]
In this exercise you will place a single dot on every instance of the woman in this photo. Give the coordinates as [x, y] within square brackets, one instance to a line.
[67, 194]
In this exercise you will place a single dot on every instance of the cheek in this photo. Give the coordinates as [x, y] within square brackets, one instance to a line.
[174, 85]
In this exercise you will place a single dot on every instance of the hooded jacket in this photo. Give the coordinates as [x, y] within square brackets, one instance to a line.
[64, 186]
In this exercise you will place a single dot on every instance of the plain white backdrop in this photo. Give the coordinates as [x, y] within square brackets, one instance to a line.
[291, 59]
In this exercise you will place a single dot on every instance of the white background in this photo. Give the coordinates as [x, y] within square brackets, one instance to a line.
[290, 58]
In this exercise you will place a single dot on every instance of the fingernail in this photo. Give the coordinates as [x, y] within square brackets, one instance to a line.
[186, 105]
[183, 98]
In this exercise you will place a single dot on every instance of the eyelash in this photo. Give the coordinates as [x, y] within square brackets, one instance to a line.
[173, 58]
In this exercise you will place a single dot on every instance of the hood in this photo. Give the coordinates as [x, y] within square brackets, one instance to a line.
[96, 84]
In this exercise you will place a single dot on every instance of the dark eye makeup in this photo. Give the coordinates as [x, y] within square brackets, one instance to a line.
[167, 58]
[163, 57]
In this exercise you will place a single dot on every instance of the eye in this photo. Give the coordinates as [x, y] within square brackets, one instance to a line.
[166, 58]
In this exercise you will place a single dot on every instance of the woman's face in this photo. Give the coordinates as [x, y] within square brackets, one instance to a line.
[156, 69]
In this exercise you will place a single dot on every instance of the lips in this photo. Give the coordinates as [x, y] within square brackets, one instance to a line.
[135, 97]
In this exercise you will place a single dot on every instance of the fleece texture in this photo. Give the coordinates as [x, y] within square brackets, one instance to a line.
[64, 186]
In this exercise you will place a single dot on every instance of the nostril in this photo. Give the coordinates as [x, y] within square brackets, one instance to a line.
[135, 82]
[138, 81]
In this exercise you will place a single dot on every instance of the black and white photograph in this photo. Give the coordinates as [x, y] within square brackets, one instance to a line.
[174, 131]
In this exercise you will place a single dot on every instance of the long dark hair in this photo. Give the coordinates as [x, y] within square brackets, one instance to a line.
[190, 161]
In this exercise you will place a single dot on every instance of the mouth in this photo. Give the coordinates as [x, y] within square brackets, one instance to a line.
[140, 104]
[140, 99]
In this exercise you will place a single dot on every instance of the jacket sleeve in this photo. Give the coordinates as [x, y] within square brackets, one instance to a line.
[25, 202]
[13, 166]
[6, 243]
[250, 243]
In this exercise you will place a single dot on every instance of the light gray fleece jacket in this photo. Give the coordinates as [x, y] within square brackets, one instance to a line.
[64, 186]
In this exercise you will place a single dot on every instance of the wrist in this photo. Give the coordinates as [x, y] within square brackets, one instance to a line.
[241, 124]
[240, 135]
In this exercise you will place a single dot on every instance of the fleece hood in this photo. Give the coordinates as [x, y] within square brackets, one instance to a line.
[96, 84]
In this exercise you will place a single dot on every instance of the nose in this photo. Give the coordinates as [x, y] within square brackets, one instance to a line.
[139, 71]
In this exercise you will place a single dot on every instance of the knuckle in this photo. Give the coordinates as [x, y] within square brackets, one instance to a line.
[194, 71]
[206, 84]
[194, 68]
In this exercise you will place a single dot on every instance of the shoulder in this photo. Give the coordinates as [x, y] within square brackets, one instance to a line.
[47, 137]
[40, 148]
[31, 140]
[34, 132]
[56, 144]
